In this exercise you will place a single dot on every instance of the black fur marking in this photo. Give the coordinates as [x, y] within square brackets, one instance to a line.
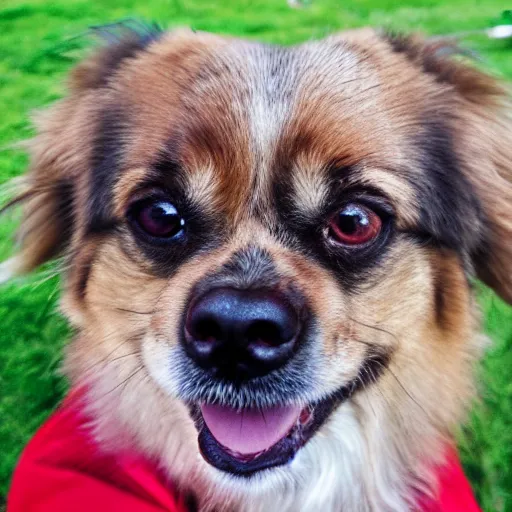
[439, 299]
[84, 272]
[350, 266]
[400, 43]
[201, 233]
[248, 268]
[64, 214]
[107, 155]
[60, 221]
[432, 56]
[191, 502]
[450, 214]
[125, 39]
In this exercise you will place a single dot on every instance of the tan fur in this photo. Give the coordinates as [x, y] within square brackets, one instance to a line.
[353, 107]
[487, 138]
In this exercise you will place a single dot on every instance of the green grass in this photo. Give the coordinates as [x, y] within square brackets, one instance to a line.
[33, 35]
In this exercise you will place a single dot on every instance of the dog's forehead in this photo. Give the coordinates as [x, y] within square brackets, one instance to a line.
[235, 115]
[256, 111]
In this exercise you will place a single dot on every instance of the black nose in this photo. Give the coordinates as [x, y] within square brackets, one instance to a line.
[240, 334]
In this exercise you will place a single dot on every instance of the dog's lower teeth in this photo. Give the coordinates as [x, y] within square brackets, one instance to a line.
[244, 457]
[305, 416]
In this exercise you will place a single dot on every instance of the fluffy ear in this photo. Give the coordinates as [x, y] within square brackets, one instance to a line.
[122, 41]
[492, 179]
[481, 117]
[59, 152]
[45, 195]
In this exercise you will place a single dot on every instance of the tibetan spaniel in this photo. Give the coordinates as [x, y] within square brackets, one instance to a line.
[269, 257]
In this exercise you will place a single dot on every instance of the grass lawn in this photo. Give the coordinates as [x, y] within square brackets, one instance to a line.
[36, 50]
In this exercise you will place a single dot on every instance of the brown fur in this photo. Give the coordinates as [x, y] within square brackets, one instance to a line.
[240, 131]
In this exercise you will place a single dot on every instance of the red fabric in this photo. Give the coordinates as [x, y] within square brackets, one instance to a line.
[62, 469]
[455, 494]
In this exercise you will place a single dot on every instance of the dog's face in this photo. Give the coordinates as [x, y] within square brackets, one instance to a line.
[270, 249]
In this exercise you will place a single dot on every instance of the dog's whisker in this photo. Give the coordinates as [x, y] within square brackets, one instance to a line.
[142, 377]
[124, 382]
[402, 387]
[375, 327]
[374, 378]
[407, 392]
[126, 310]
[123, 309]
[363, 384]
[137, 334]
[122, 343]
[145, 377]
[107, 361]
[369, 344]
[152, 311]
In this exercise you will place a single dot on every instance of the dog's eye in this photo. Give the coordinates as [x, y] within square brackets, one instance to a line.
[158, 218]
[355, 224]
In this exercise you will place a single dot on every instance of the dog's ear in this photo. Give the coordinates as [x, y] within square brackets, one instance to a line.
[59, 152]
[45, 194]
[491, 175]
[481, 121]
[122, 41]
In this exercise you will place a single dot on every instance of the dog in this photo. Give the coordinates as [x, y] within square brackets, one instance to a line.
[269, 256]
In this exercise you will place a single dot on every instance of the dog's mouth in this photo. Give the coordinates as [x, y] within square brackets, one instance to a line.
[245, 441]
[248, 440]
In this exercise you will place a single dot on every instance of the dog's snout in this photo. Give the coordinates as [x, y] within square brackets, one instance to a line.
[241, 333]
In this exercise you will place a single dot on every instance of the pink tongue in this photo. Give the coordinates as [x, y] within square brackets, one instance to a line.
[250, 430]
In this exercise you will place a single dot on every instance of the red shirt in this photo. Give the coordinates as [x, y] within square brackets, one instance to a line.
[63, 470]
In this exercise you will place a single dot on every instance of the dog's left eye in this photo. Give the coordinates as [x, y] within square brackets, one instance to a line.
[354, 225]
[158, 218]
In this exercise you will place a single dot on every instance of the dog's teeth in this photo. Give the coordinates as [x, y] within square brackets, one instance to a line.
[305, 416]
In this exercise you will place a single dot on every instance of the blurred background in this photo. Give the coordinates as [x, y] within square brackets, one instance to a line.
[39, 42]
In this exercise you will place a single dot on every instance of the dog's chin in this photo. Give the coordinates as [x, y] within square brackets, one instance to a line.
[243, 442]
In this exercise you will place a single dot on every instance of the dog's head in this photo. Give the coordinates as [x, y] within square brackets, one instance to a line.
[269, 251]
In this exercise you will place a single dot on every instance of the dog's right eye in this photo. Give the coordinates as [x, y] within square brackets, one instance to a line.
[158, 218]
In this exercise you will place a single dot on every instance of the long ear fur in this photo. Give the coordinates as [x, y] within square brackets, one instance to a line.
[45, 195]
[491, 176]
[483, 133]
[58, 153]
